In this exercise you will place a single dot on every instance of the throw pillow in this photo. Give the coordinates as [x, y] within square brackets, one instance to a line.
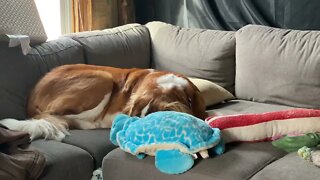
[211, 92]
[266, 126]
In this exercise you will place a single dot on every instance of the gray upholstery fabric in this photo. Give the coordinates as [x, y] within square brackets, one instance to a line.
[278, 66]
[207, 54]
[96, 142]
[59, 52]
[64, 161]
[19, 73]
[244, 107]
[125, 46]
[289, 167]
[241, 161]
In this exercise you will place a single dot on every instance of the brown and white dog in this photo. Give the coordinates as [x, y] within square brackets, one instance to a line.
[88, 97]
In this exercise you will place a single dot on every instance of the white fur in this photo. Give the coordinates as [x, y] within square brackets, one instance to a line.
[92, 113]
[41, 128]
[85, 119]
[36, 128]
[151, 70]
[106, 121]
[170, 81]
[145, 110]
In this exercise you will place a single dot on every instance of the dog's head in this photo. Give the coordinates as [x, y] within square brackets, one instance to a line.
[161, 91]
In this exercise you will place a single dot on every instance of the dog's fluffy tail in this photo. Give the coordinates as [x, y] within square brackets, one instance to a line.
[47, 127]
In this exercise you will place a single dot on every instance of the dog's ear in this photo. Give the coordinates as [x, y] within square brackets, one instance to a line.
[196, 101]
[138, 105]
[198, 106]
[133, 78]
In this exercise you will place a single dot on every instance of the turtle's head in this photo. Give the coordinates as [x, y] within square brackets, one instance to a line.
[120, 122]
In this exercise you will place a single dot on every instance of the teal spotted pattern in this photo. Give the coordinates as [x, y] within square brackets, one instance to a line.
[166, 127]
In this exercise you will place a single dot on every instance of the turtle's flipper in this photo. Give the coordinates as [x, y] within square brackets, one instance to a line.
[218, 149]
[173, 161]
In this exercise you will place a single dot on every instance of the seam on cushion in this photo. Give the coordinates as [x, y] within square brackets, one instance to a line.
[77, 39]
[270, 161]
[46, 64]
[59, 50]
[38, 64]
[107, 34]
[43, 62]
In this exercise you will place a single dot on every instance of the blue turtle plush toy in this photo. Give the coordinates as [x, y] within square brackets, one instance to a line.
[172, 137]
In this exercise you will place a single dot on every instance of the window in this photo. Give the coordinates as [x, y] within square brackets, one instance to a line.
[55, 16]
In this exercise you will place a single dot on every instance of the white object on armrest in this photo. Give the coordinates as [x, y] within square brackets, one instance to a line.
[16, 40]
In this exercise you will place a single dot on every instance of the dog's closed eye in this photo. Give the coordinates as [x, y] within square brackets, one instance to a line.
[189, 102]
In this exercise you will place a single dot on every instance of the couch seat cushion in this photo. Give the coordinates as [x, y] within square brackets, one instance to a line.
[241, 161]
[96, 142]
[289, 167]
[64, 161]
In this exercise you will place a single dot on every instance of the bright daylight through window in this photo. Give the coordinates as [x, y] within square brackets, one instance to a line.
[54, 15]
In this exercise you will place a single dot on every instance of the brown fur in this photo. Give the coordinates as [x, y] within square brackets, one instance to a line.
[72, 89]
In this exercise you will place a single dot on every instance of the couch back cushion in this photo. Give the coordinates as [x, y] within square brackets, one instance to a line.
[19, 73]
[206, 54]
[59, 52]
[124, 46]
[278, 66]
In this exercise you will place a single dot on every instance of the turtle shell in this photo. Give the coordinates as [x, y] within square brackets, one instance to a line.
[167, 130]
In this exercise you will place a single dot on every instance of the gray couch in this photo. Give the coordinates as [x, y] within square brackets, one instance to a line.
[267, 69]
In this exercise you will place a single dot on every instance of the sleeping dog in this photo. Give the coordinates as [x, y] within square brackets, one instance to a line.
[88, 97]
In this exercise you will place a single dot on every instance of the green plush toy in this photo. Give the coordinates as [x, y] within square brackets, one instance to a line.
[307, 146]
[294, 143]
[310, 154]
